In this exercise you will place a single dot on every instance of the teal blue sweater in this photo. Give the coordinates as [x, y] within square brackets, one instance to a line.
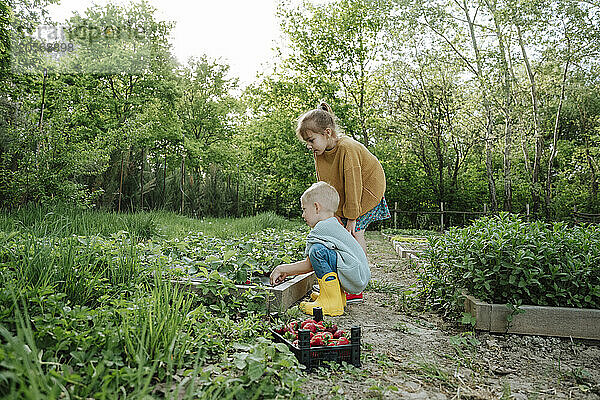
[352, 265]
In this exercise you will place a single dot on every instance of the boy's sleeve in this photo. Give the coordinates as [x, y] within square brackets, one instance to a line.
[352, 187]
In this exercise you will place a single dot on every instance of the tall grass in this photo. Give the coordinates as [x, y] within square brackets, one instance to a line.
[37, 372]
[63, 221]
[173, 225]
[159, 329]
[84, 270]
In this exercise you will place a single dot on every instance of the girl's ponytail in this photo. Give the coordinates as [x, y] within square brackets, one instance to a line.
[325, 107]
[317, 121]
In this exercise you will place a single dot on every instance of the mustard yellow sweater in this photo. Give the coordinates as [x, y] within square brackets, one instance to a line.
[356, 174]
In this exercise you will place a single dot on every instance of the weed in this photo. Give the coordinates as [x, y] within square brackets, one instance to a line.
[506, 391]
[406, 300]
[378, 286]
[432, 371]
[400, 327]
[378, 391]
[581, 376]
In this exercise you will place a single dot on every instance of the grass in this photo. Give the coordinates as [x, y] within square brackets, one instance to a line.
[173, 225]
[379, 286]
[433, 372]
[409, 239]
[411, 232]
[63, 221]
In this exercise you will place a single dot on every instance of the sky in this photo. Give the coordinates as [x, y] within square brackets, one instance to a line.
[241, 33]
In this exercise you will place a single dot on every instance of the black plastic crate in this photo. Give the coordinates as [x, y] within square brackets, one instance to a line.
[315, 356]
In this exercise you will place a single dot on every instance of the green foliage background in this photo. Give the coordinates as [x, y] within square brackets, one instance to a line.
[448, 118]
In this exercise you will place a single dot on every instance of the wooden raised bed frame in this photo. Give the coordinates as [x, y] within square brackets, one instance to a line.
[280, 298]
[580, 323]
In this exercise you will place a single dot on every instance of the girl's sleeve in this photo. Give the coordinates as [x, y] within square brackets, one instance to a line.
[352, 187]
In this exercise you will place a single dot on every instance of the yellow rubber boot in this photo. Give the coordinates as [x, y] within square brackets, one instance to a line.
[329, 298]
[315, 295]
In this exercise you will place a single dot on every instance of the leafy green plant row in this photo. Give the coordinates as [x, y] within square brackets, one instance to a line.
[155, 341]
[96, 317]
[503, 259]
[240, 258]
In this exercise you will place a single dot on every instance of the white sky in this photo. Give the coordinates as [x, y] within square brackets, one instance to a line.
[239, 32]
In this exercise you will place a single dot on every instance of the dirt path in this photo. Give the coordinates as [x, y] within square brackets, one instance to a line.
[407, 354]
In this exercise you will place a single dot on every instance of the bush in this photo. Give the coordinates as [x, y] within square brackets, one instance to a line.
[505, 260]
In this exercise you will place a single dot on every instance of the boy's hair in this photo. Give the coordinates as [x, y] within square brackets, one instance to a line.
[317, 121]
[322, 193]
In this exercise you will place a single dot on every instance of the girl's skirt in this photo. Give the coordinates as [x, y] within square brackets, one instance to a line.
[377, 213]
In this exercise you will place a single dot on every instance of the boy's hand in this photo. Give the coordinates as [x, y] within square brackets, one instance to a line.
[278, 275]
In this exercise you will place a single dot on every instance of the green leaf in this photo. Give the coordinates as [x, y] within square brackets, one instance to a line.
[255, 370]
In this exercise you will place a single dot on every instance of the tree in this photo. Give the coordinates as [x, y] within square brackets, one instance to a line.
[341, 42]
[454, 27]
[273, 156]
[428, 110]
[206, 108]
[123, 62]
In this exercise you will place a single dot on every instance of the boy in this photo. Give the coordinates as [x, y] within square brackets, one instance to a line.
[332, 252]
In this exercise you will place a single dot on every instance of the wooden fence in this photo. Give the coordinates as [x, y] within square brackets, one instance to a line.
[578, 217]
[443, 213]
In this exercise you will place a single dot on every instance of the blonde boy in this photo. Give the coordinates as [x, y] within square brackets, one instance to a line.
[338, 260]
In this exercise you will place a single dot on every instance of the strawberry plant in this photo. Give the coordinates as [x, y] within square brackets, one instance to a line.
[240, 258]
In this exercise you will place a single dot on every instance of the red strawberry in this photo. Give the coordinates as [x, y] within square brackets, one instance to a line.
[317, 340]
[338, 334]
[342, 341]
[330, 326]
[320, 326]
[308, 321]
[310, 326]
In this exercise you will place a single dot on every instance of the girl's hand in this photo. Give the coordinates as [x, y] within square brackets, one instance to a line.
[351, 226]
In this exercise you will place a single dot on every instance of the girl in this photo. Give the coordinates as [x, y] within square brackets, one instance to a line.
[348, 166]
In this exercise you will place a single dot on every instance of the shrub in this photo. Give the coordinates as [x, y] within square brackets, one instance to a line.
[502, 259]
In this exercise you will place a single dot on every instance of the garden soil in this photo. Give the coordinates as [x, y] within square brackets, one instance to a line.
[411, 354]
